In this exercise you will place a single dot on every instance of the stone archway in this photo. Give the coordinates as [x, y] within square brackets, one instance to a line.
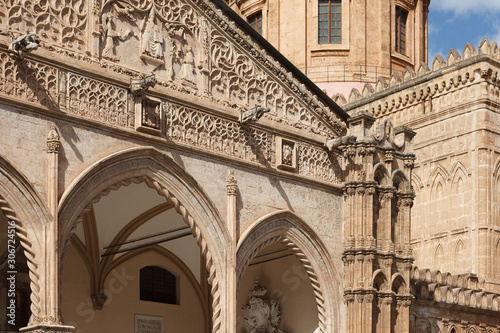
[20, 203]
[159, 172]
[298, 237]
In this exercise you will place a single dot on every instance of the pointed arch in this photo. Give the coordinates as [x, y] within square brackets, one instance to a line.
[459, 170]
[438, 255]
[380, 281]
[400, 180]
[288, 228]
[382, 175]
[398, 284]
[416, 182]
[161, 173]
[439, 205]
[439, 172]
[460, 257]
[20, 202]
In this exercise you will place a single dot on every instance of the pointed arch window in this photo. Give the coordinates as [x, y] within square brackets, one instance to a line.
[401, 18]
[330, 21]
[158, 285]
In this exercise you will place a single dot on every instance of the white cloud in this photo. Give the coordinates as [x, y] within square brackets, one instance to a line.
[460, 7]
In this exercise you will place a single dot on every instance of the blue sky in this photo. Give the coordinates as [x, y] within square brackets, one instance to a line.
[452, 23]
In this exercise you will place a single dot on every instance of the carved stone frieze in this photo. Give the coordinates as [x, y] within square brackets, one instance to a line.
[29, 81]
[317, 163]
[189, 126]
[97, 100]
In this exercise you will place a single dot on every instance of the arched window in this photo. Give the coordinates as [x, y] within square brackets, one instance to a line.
[158, 285]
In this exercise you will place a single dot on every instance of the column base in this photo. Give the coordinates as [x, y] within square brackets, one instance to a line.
[47, 328]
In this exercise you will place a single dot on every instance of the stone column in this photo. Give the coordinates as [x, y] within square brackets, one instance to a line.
[403, 309]
[232, 226]
[384, 304]
[49, 319]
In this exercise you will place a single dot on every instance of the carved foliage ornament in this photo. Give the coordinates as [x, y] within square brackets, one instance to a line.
[261, 315]
[56, 22]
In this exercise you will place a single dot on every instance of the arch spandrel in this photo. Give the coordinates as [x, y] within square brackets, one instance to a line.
[299, 238]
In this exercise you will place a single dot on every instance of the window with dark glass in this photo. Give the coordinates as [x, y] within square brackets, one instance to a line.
[256, 22]
[330, 21]
[401, 16]
[158, 285]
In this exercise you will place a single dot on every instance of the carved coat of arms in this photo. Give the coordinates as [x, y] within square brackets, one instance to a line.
[262, 316]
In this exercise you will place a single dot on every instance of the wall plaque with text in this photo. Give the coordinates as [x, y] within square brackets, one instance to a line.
[148, 324]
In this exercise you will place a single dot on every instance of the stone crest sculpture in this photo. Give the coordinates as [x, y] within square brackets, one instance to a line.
[23, 45]
[253, 114]
[261, 315]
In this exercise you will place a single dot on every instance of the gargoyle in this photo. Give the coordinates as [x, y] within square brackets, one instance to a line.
[138, 86]
[23, 45]
[337, 142]
[253, 114]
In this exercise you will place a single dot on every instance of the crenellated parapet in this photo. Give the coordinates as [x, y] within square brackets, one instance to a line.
[413, 88]
[458, 301]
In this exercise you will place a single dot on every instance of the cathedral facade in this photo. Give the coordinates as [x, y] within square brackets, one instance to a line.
[164, 168]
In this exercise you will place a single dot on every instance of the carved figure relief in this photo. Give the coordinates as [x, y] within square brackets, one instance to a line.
[261, 315]
[183, 68]
[287, 154]
[151, 114]
[152, 40]
[111, 34]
